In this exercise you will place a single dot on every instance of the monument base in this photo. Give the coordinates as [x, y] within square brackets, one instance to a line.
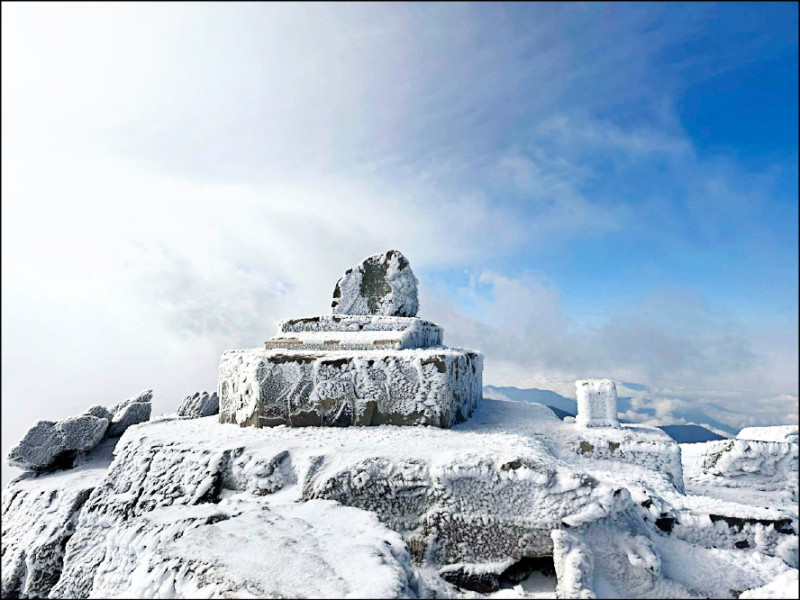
[431, 386]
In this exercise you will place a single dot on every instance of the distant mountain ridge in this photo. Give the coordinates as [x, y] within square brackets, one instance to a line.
[546, 397]
[690, 434]
[562, 406]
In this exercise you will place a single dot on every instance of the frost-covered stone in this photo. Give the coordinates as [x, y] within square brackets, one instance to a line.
[776, 433]
[39, 517]
[263, 388]
[597, 403]
[355, 332]
[101, 412]
[192, 508]
[370, 363]
[200, 404]
[81, 433]
[130, 412]
[784, 585]
[51, 444]
[745, 467]
[117, 409]
[574, 565]
[381, 284]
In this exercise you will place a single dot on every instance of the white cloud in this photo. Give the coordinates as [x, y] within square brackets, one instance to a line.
[689, 357]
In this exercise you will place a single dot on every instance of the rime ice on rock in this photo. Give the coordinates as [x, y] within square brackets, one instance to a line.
[52, 445]
[597, 403]
[49, 445]
[130, 412]
[199, 405]
[370, 363]
[381, 284]
[775, 433]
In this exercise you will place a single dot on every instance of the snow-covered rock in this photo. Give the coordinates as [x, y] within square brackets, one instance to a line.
[129, 412]
[431, 386]
[574, 566]
[370, 363]
[381, 284]
[51, 444]
[776, 433]
[749, 471]
[597, 403]
[39, 517]
[200, 404]
[99, 411]
[784, 585]
[195, 508]
[243, 547]
[355, 332]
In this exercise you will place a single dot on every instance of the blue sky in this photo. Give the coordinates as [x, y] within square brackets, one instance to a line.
[582, 189]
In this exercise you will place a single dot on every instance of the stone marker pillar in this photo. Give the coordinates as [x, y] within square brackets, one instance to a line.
[597, 403]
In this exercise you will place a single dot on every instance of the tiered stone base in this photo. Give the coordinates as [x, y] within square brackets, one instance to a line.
[430, 386]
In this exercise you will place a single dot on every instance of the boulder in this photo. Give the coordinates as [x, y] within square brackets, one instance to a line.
[775, 433]
[119, 407]
[381, 284]
[49, 445]
[138, 412]
[130, 412]
[198, 405]
[101, 412]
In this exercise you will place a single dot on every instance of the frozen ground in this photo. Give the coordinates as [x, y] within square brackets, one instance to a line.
[193, 508]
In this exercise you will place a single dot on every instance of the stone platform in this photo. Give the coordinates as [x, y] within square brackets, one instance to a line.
[426, 386]
[355, 332]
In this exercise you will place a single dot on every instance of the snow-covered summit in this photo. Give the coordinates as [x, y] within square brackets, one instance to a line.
[195, 508]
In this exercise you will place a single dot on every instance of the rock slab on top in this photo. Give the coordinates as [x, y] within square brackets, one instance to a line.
[381, 284]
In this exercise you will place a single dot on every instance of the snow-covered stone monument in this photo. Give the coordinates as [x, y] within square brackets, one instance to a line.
[371, 362]
[597, 403]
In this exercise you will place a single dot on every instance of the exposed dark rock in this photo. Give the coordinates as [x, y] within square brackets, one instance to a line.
[481, 582]
[665, 523]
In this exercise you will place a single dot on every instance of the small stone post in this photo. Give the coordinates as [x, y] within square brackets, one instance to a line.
[597, 403]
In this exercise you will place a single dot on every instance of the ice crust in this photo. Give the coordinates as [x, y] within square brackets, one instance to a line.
[50, 445]
[135, 409]
[432, 386]
[352, 324]
[381, 284]
[748, 470]
[193, 508]
[597, 403]
[776, 433]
